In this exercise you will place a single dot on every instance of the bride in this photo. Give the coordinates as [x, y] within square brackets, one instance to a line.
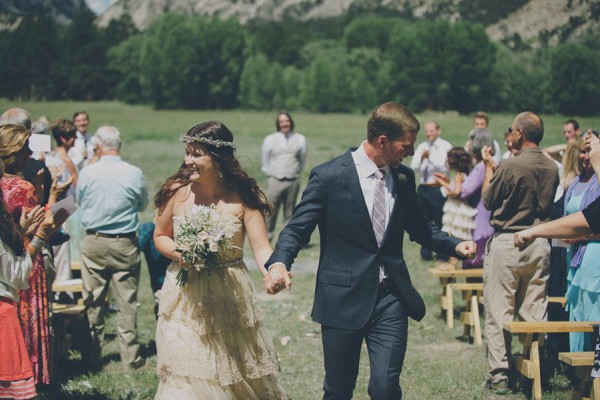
[210, 339]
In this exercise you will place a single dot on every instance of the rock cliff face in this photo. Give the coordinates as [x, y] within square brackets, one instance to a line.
[548, 21]
[535, 22]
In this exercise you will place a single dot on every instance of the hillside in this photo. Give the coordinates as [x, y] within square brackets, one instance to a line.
[514, 22]
[535, 22]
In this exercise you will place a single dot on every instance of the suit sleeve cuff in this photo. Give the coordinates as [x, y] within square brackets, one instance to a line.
[274, 264]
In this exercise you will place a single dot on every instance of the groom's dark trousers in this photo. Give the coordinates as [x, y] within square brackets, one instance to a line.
[350, 302]
[385, 335]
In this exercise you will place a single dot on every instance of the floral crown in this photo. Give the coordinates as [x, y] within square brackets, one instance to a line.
[206, 140]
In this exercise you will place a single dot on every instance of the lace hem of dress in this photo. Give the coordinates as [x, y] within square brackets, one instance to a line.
[226, 357]
[184, 388]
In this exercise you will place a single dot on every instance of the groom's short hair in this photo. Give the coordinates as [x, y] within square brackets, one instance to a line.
[392, 120]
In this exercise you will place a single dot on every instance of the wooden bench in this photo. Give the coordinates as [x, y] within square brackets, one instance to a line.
[532, 335]
[71, 331]
[72, 285]
[449, 277]
[582, 362]
[560, 300]
[76, 265]
[470, 317]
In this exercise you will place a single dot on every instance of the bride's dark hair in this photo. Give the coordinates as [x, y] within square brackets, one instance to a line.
[217, 140]
[173, 183]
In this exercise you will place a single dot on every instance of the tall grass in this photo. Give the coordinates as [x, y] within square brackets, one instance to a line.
[437, 366]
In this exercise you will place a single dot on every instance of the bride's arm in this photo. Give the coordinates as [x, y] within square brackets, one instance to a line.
[256, 229]
[163, 233]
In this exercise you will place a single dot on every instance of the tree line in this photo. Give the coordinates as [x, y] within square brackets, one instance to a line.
[344, 64]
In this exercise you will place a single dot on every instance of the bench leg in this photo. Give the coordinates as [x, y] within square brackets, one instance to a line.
[536, 387]
[595, 393]
[476, 320]
[450, 305]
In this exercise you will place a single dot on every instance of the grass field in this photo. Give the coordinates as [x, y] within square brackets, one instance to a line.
[437, 366]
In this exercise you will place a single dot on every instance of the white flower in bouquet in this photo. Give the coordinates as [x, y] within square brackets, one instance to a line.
[204, 236]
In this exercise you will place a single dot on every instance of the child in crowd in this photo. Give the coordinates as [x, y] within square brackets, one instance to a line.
[458, 214]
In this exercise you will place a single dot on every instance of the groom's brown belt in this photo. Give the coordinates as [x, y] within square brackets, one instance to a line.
[111, 235]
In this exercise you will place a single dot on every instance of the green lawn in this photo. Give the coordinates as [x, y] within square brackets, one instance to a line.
[437, 366]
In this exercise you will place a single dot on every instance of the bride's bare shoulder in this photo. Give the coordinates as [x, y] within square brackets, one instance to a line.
[235, 208]
[180, 199]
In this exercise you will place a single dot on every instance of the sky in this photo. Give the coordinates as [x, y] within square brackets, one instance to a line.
[99, 6]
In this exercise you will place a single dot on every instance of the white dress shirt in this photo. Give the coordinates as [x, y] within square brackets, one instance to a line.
[366, 169]
[436, 162]
[83, 144]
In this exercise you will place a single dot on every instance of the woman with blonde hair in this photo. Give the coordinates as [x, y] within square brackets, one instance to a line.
[570, 163]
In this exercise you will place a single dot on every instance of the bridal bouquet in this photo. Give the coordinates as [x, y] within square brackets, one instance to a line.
[204, 235]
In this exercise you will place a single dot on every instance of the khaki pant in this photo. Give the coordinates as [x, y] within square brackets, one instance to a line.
[281, 193]
[116, 260]
[514, 285]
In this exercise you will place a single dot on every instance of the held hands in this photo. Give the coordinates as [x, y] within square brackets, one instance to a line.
[277, 279]
[467, 249]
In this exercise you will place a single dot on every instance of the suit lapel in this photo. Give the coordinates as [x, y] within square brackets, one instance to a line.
[353, 185]
[397, 215]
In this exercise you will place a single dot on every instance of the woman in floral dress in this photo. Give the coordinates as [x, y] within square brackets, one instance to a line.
[33, 302]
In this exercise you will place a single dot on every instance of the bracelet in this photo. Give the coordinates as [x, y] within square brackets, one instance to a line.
[41, 235]
[37, 243]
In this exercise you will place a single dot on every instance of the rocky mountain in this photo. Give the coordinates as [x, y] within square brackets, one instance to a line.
[533, 21]
[63, 11]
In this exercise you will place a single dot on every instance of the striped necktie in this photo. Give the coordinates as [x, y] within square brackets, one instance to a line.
[378, 217]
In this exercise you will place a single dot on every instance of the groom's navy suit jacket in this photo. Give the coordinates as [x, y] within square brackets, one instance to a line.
[348, 274]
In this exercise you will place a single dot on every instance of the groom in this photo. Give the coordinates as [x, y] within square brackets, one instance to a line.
[362, 202]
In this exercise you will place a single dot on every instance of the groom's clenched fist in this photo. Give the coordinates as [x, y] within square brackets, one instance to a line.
[467, 249]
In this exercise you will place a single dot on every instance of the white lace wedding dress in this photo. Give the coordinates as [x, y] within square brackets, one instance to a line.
[210, 339]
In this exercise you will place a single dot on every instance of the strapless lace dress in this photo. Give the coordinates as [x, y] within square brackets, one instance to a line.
[211, 343]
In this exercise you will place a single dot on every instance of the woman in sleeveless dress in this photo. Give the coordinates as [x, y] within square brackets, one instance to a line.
[210, 338]
[61, 166]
